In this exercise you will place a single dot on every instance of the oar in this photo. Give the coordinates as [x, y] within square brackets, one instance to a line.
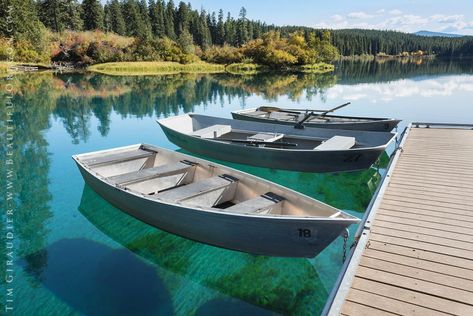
[300, 125]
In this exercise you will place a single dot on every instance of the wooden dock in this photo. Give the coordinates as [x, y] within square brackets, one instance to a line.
[415, 252]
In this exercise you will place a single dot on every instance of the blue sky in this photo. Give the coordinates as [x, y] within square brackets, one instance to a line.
[404, 15]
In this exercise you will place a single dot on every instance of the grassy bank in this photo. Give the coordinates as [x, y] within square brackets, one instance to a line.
[159, 68]
[154, 68]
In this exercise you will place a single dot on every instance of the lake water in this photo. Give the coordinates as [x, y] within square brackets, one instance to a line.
[75, 254]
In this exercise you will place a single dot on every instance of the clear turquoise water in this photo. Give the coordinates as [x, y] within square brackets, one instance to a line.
[75, 254]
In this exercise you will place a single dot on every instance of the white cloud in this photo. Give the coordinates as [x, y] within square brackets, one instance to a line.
[359, 15]
[397, 20]
[337, 18]
[395, 12]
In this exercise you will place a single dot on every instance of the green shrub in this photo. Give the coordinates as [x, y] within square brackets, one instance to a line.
[223, 55]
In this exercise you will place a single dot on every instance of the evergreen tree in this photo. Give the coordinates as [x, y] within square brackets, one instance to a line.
[117, 22]
[52, 14]
[19, 19]
[220, 28]
[144, 15]
[242, 28]
[202, 33]
[59, 15]
[230, 31]
[135, 26]
[73, 15]
[186, 42]
[156, 15]
[169, 20]
[92, 15]
[182, 18]
[107, 25]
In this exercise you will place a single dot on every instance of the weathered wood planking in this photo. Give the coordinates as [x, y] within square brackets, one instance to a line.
[419, 257]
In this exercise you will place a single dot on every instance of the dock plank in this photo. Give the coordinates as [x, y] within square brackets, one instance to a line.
[418, 259]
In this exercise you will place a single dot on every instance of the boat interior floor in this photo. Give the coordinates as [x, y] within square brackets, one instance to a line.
[176, 182]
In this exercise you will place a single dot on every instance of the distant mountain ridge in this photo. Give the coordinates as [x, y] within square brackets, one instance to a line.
[432, 34]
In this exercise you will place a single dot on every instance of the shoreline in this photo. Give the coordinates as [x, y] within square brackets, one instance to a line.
[151, 68]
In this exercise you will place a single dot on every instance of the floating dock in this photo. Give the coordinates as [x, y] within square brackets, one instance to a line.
[414, 250]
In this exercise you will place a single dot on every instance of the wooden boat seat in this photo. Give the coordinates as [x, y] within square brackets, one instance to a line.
[213, 131]
[155, 172]
[262, 204]
[204, 193]
[337, 143]
[265, 137]
[119, 157]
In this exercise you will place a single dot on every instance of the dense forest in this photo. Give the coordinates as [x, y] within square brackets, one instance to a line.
[88, 32]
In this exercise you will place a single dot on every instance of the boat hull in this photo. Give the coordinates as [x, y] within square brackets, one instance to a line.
[304, 161]
[273, 236]
[376, 125]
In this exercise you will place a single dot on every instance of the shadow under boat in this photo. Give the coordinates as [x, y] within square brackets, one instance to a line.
[280, 285]
[95, 279]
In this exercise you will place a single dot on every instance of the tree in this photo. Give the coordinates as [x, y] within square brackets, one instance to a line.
[156, 14]
[53, 13]
[220, 28]
[242, 28]
[230, 32]
[169, 20]
[59, 15]
[73, 15]
[186, 42]
[92, 15]
[19, 20]
[117, 22]
[182, 18]
[143, 12]
[134, 23]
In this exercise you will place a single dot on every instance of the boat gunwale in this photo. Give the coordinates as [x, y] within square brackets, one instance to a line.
[376, 119]
[211, 140]
[350, 218]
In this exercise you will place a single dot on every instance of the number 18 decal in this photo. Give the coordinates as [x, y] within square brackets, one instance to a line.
[304, 233]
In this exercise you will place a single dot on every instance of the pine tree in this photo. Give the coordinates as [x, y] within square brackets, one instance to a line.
[51, 13]
[230, 32]
[143, 11]
[220, 28]
[169, 20]
[182, 18]
[156, 15]
[242, 27]
[117, 22]
[202, 36]
[186, 42]
[73, 20]
[19, 18]
[135, 25]
[92, 14]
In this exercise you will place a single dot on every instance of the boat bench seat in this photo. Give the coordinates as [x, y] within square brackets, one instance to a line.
[213, 131]
[205, 193]
[337, 143]
[282, 116]
[119, 157]
[265, 137]
[258, 113]
[262, 204]
[155, 172]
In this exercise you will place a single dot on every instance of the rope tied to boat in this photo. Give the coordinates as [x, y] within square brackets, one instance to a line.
[345, 235]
